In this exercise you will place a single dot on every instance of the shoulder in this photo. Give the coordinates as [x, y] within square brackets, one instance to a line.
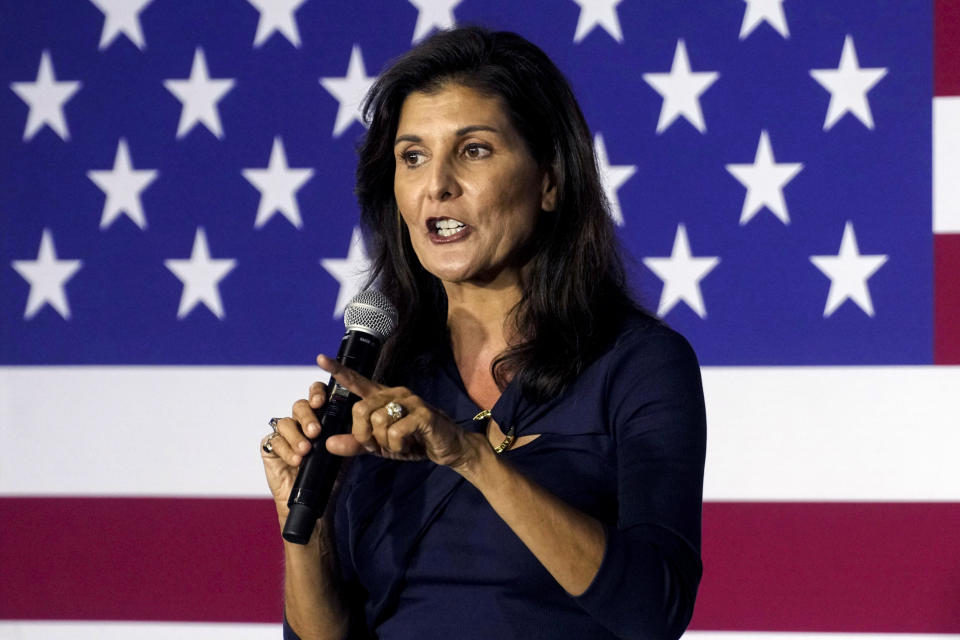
[646, 344]
[651, 369]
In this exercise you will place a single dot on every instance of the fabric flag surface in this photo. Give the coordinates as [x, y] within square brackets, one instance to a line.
[178, 238]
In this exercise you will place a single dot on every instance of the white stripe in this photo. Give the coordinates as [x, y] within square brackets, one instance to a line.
[946, 164]
[18, 630]
[833, 433]
[774, 433]
[182, 431]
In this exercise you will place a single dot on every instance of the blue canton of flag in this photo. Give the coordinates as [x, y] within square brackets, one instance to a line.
[180, 194]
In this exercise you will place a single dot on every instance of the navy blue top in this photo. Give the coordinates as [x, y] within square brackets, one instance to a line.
[422, 554]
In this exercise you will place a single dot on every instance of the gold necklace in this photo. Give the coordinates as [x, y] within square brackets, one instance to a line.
[503, 446]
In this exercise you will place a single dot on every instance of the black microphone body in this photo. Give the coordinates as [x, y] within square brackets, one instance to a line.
[319, 468]
[370, 318]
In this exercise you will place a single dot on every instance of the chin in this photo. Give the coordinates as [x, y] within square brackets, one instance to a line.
[449, 274]
[445, 268]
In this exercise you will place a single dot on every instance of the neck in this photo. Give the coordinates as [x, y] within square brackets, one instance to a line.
[477, 317]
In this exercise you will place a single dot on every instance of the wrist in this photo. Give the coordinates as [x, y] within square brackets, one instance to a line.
[282, 512]
[478, 458]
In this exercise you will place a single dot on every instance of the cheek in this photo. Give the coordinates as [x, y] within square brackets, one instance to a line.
[404, 190]
[520, 206]
[406, 205]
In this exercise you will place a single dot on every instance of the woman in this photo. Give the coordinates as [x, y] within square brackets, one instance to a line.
[530, 463]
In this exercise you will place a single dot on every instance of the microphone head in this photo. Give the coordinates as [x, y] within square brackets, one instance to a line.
[371, 312]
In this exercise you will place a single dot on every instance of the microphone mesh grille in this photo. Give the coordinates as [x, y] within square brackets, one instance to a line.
[372, 312]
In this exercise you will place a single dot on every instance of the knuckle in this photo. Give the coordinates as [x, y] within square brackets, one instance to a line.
[282, 448]
[361, 411]
[288, 427]
[293, 437]
[290, 456]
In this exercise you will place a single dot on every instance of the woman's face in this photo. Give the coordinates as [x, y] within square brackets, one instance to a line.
[466, 185]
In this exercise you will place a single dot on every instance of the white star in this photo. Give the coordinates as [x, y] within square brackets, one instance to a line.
[764, 180]
[769, 11]
[848, 85]
[199, 95]
[612, 177]
[278, 184]
[681, 90]
[681, 274]
[46, 97]
[349, 91]
[123, 185]
[350, 272]
[598, 12]
[277, 15]
[201, 277]
[47, 277]
[121, 16]
[433, 14]
[848, 272]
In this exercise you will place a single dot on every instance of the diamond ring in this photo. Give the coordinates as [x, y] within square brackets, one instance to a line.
[395, 410]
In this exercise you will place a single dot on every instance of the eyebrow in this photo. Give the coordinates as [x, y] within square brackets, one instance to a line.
[460, 132]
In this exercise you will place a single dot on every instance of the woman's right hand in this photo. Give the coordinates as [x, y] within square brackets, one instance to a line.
[290, 445]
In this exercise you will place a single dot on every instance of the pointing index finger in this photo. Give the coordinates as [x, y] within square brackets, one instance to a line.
[347, 377]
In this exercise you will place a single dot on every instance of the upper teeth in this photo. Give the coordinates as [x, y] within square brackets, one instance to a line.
[449, 223]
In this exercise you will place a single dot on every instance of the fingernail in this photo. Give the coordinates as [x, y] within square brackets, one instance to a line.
[316, 400]
[295, 460]
[370, 448]
[304, 446]
[313, 429]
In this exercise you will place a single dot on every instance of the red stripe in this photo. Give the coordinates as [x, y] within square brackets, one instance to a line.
[769, 566]
[140, 559]
[946, 305]
[845, 567]
[946, 48]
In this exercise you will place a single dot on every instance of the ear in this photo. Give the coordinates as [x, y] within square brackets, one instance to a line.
[548, 190]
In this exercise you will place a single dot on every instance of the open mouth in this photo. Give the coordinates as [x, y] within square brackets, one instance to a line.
[445, 227]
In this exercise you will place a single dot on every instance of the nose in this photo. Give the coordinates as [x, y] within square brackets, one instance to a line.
[444, 184]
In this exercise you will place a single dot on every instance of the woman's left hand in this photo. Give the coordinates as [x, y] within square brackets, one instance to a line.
[422, 431]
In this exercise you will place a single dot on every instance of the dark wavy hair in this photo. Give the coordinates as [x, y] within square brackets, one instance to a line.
[574, 287]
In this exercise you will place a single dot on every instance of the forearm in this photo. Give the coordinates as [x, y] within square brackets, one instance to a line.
[566, 541]
[312, 603]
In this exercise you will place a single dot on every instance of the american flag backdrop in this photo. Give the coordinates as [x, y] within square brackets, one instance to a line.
[178, 239]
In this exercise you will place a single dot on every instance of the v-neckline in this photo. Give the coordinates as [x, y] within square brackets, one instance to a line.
[502, 411]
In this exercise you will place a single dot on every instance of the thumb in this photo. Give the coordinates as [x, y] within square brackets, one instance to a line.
[345, 445]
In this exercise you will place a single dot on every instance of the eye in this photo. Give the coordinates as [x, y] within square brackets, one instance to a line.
[411, 158]
[475, 151]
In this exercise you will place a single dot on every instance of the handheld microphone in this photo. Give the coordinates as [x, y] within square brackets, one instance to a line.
[370, 318]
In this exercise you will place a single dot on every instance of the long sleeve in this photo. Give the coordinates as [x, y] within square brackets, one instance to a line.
[648, 579]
